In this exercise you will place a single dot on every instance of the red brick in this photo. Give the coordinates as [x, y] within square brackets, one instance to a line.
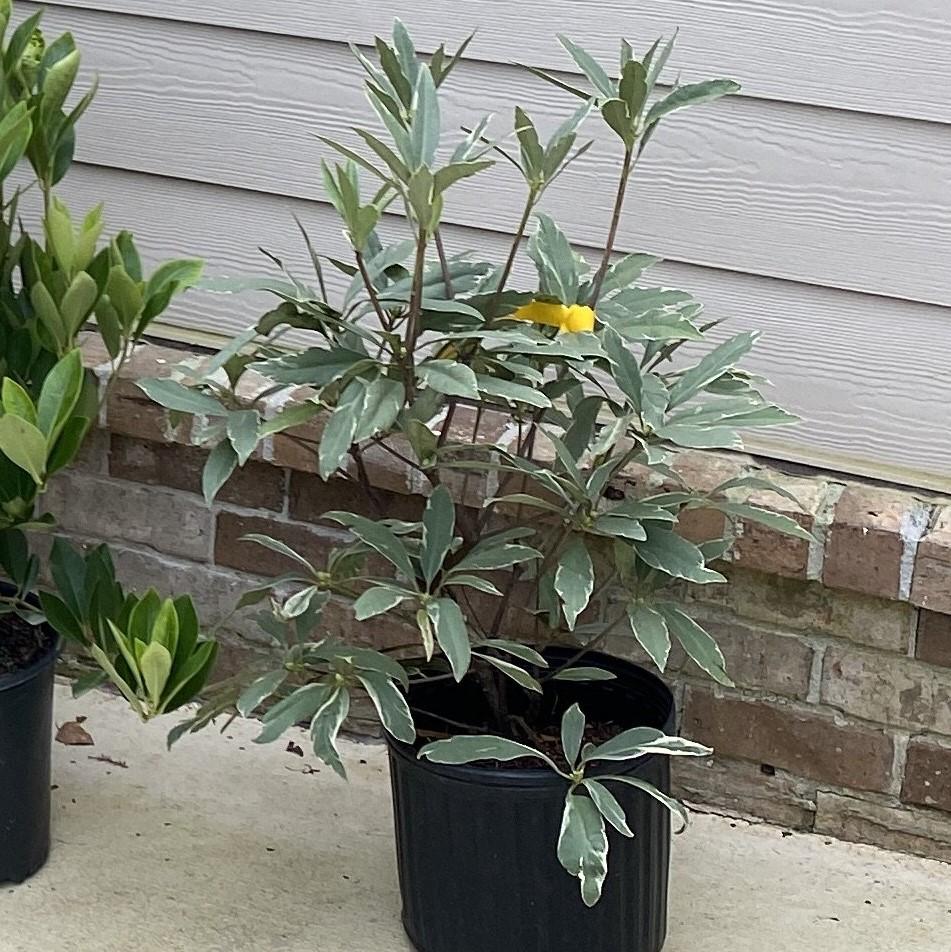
[928, 775]
[864, 549]
[808, 744]
[934, 638]
[931, 587]
[760, 659]
[255, 485]
[774, 552]
[311, 497]
[231, 551]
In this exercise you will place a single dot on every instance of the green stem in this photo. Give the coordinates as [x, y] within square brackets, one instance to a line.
[615, 224]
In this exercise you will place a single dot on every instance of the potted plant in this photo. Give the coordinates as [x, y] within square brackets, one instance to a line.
[521, 755]
[48, 402]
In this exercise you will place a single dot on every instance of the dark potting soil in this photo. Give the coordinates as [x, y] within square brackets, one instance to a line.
[531, 720]
[21, 643]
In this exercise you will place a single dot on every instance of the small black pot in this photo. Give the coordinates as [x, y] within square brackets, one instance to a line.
[476, 846]
[26, 726]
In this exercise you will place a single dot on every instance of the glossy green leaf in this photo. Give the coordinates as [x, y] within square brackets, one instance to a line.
[59, 395]
[24, 445]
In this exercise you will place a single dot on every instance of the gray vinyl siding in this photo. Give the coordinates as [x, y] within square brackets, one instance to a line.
[815, 206]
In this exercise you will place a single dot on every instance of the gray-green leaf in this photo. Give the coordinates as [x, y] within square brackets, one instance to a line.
[583, 846]
[574, 580]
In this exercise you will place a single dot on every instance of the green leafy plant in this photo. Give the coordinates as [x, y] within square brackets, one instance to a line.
[593, 373]
[51, 289]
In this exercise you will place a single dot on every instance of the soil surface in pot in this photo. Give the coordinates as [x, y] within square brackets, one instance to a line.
[443, 709]
[21, 643]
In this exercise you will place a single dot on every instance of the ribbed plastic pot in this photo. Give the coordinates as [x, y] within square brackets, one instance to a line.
[26, 726]
[476, 846]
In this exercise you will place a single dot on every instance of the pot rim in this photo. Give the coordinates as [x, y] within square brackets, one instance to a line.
[537, 778]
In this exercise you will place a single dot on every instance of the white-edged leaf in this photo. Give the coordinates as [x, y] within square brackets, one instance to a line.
[650, 629]
[698, 644]
[276, 546]
[378, 537]
[516, 650]
[439, 522]
[258, 690]
[452, 635]
[572, 733]
[574, 580]
[468, 748]
[390, 704]
[338, 434]
[583, 845]
[585, 673]
[519, 675]
[449, 377]
[376, 601]
[607, 805]
[675, 807]
[672, 554]
[176, 396]
[627, 745]
[221, 463]
[243, 433]
[325, 726]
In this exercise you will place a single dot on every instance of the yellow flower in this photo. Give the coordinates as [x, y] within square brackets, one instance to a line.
[569, 320]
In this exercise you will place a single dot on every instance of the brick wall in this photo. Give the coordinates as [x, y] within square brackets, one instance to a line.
[841, 649]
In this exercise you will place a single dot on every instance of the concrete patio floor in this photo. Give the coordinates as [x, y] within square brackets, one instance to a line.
[222, 845]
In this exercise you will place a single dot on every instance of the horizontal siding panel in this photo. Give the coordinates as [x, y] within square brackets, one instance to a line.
[873, 398]
[869, 55]
[837, 199]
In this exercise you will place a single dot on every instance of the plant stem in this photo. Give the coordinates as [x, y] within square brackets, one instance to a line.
[590, 646]
[371, 290]
[513, 252]
[615, 223]
[415, 314]
[444, 264]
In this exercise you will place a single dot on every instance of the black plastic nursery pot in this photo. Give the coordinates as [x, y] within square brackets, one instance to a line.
[476, 844]
[26, 723]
